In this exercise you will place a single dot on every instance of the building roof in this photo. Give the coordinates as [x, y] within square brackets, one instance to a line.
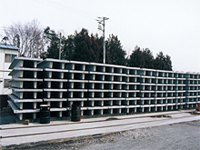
[8, 46]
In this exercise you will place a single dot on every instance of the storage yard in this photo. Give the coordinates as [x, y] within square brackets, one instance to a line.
[99, 75]
[115, 103]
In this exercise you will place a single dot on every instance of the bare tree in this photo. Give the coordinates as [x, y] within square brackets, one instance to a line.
[28, 37]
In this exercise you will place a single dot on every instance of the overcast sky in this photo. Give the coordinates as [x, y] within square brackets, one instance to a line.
[170, 26]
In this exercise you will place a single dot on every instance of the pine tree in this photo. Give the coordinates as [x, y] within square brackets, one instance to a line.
[163, 62]
[99, 41]
[53, 48]
[68, 47]
[83, 50]
[136, 58]
[115, 53]
[95, 47]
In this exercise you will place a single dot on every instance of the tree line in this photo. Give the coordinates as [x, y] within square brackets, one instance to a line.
[80, 46]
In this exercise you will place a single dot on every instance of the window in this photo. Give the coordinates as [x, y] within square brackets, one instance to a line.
[6, 83]
[9, 57]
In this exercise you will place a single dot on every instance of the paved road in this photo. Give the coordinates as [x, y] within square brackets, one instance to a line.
[182, 136]
[66, 131]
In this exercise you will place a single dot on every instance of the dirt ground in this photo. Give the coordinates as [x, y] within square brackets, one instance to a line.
[183, 136]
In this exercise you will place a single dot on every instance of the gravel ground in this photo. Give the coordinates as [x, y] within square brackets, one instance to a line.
[184, 136]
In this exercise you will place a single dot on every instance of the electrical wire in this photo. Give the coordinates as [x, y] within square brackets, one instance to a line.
[59, 6]
[69, 9]
[72, 8]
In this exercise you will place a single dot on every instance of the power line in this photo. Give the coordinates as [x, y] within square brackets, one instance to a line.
[72, 8]
[61, 7]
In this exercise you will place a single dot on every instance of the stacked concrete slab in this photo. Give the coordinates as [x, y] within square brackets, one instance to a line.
[26, 87]
[192, 89]
[102, 88]
[55, 86]
[162, 89]
[98, 88]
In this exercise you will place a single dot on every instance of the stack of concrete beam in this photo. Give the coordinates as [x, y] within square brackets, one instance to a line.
[180, 92]
[98, 88]
[26, 87]
[55, 86]
[157, 90]
[110, 89]
[192, 89]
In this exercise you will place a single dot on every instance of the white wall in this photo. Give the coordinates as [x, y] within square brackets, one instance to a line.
[4, 71]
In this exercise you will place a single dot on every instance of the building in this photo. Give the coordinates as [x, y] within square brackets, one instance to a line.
[7, 54]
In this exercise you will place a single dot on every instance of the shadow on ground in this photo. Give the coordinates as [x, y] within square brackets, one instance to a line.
[7, 116]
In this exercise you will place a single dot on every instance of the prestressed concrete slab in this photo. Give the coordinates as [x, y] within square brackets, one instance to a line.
[107, 65]
[56, 70]
[80, 81]
[77, 99]
[57, 80]
[17, 111]
[55, 90]
[132, 78]
[133, 106]
[26, 79]
[95, 108]
[77, 90]
[26, 90]
[76, 71]
[54, 99]
[23, 69]
[78, 62]
[17, 59]
[58, 109]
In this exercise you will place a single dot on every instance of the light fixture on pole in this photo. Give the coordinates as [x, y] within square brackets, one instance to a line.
[101, 21]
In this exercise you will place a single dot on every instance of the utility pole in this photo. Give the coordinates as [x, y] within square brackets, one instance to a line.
[60, 48]
[101, 21]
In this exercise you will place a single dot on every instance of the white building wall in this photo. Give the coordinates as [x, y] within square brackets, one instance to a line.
[4, 71]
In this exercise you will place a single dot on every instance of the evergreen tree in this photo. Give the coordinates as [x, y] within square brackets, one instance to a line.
[136, 58]
[159, 61]
[53, 50]
[168, 62]
[83, 47]
[83, 50]
[148, 58]
[99, 41]
[50, 34]
[144, 59]
[53, 47]
[115, 53]
[68, 47]
[163, 62]
[95, 47]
